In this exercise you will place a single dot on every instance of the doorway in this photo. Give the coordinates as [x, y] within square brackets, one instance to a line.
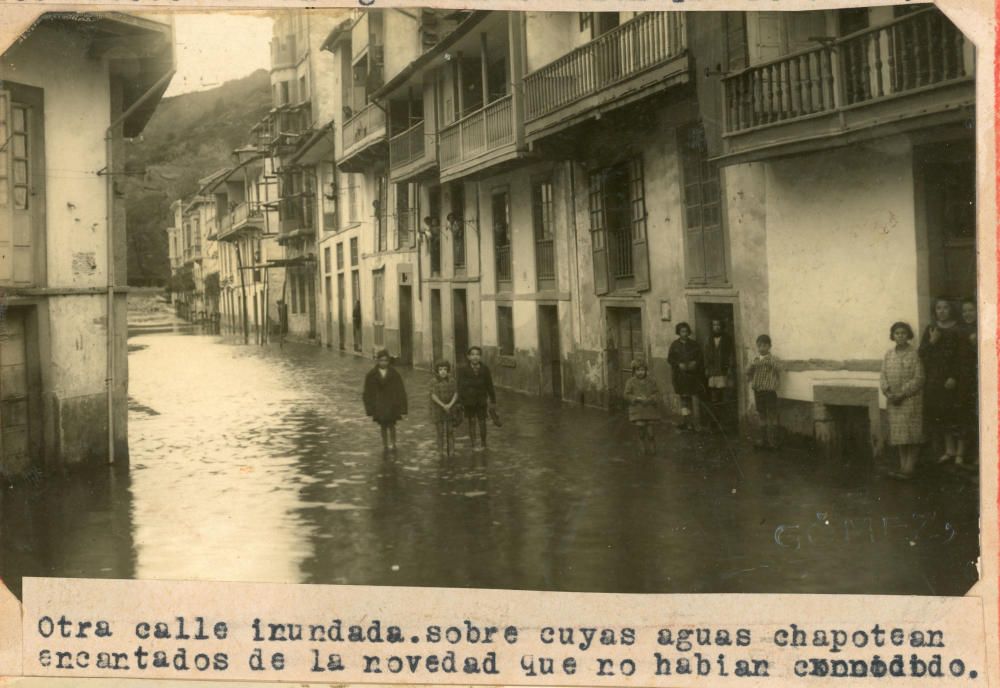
[437, 334]
[341, 310]
[549, 355]
[461, 319]
[625, 343]
[14, 439]
[406, 325]
[721, 404]
[328, 300]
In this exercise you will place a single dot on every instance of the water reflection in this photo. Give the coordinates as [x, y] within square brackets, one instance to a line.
[259, 465]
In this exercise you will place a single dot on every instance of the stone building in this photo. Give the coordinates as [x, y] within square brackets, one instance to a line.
[63, 365]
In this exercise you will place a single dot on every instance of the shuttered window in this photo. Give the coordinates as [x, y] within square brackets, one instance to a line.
[618, 227]
[5, 139]
[737, 53]
[705, 249]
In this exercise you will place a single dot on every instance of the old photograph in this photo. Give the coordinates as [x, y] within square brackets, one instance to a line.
[618, 301]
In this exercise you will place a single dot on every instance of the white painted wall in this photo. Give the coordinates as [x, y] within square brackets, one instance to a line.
[77, 112]
[864, 228]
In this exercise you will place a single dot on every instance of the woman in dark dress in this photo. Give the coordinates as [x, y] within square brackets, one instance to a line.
[968, 386]
[385, 398]
[940, 351]
[686, 365]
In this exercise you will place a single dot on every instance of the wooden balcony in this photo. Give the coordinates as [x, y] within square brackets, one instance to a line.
[242, 217]
[410, 155]
[645, 55]
[363, 139]
[478, 140]
[913, 72]
[296, 217]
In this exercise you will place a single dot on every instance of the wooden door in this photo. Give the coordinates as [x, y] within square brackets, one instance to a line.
[341, 313]
[549, 351]
[437, 336]
[406, 325]
[14, 454]
[461, 322]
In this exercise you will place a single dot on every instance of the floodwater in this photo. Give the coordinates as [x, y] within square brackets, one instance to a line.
[257, 464]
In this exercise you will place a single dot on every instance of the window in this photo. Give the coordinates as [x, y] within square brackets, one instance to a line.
[544, 226]
[704, 239]
[505, 330]
[378, 294]
[19, 154]
[380, 215]
[303, 92]
[456, 224]
[500, 212]
[340, 256]
[407, 215]
[618, 227]
[354, 251]
[283, 96]
[586, 20]
[353, 215]
[326, 259]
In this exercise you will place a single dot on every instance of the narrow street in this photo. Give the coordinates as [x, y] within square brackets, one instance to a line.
[258, 464]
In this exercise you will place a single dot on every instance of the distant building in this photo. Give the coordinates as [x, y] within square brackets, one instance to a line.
[70, 89]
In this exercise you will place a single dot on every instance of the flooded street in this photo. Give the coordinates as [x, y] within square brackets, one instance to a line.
[258, 464]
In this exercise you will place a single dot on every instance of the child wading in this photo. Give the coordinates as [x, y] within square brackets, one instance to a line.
[444, 398]
[476, 394]
[385, 398]
[643, 397]
[764, 376]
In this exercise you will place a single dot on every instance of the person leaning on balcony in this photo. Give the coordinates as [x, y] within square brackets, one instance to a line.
[476, 394]
[686, 364]
[940, 351]
[902, 384]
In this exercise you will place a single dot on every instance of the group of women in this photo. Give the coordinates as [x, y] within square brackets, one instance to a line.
[932, 389]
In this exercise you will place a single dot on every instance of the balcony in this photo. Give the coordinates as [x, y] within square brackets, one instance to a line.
[482, 138]
[192, 254]
[364, 139]
[643, 56]
[296, 217]
[913, 72]
[409, 156]
[243, 216]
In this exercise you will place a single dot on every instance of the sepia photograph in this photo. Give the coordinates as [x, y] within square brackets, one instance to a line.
[617, 301]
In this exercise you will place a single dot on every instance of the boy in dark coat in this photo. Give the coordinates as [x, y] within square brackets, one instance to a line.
[385, 398]
[476, 394]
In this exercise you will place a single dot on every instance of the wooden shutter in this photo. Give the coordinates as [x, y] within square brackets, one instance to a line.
[736, 41]
[770, 29]
[640, 243]
[713, 234]
[598, 233]
[6, 192]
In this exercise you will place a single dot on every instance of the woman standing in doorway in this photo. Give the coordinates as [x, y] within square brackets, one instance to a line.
[685, 359]
[968, 386]
[940, 348]
[902, 383]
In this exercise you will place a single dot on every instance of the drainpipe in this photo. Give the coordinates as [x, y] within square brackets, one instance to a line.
[109, 137]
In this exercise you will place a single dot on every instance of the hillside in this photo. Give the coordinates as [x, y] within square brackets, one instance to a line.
[189, 136]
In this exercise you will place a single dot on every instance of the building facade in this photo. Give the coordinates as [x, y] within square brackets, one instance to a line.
[63, 387]
[565, 188]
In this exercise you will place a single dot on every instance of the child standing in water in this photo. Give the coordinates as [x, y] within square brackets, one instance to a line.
[643, 397]
[384, 397]
[764, 376]
[477, 394]
[444, 396]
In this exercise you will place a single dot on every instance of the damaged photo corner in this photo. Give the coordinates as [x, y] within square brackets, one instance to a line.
[575, 300]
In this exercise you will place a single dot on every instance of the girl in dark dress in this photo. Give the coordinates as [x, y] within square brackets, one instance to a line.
[968, 385]
[385, 398]
[686, 364]
[940, 351]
